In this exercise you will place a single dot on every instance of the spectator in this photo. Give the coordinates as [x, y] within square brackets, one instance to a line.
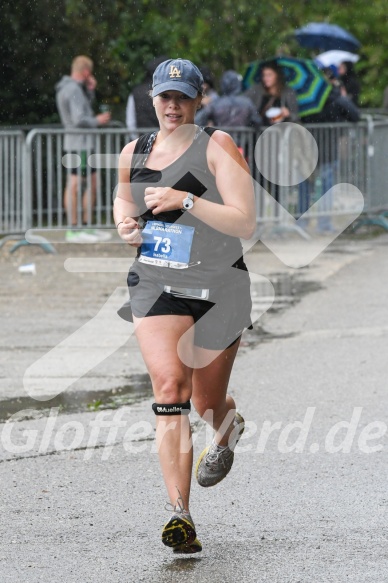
[348, 77]
[208, 96]
[140, 112]
[336, 109]
[273, 92]
[275, 102]
[231, 109]
[74, 95]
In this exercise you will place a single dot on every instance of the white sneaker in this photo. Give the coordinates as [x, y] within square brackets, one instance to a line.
[102, 235]
[80, 237]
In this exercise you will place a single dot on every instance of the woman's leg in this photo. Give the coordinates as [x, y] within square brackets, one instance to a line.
[158, 337]
[210, 397]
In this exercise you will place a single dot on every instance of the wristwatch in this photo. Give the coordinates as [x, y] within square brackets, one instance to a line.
[188, 202]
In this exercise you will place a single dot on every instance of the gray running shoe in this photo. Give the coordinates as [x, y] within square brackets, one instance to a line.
[215, 463]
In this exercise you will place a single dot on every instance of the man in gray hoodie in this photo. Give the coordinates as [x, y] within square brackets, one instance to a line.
[74, 95]
[231, 109]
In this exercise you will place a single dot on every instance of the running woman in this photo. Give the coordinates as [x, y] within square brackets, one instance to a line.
[185, 198]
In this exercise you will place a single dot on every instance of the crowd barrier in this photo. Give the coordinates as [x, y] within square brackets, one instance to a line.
[14, 216]
[34, 172]
[48, 169]
[376, 189]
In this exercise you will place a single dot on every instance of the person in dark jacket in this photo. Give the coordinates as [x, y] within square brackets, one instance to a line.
[209, 94]
[140, 113]
[272, 92]
[231, 109]
[350, 81]
[337, 109]
[275, 102]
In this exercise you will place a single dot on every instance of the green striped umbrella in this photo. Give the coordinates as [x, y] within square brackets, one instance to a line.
[302, 75]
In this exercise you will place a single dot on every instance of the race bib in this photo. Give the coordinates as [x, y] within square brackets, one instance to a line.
[166, 244]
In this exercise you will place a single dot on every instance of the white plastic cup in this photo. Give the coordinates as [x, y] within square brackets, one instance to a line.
[274, 114]
[28, 269]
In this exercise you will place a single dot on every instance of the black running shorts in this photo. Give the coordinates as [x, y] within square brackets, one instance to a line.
[219, 321]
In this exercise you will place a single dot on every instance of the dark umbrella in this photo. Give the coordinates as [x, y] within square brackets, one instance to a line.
[302, 75]
[326, 37]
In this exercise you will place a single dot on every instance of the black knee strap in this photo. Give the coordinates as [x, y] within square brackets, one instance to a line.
[172, 408]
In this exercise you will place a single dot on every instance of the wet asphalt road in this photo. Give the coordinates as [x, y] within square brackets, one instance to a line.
[297, 507]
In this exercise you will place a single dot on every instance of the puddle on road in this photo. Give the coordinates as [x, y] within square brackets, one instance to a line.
[137, 389]
[289, 289]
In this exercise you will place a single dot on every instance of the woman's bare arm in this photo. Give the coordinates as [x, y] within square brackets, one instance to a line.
[125, 211]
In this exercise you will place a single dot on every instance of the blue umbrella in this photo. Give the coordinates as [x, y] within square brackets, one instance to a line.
[302, 75]
[326, 37]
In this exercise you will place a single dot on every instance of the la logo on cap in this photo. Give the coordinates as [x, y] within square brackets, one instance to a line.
[174, 72]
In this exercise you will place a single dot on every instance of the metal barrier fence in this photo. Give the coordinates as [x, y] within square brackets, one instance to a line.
[13, 209]
[376, 190]
[297, 171]
[377, 187]
[48, 169]
[34, 172]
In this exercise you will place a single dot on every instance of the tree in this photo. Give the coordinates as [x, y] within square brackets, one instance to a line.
[40, 38]
[33, 44]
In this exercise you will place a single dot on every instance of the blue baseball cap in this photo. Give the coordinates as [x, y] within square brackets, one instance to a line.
[177, 75]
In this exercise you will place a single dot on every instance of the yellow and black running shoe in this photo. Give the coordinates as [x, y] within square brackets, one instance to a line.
[188, 548]
[179, 532]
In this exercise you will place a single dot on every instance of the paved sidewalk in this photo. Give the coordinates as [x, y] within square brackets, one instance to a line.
[71, 303]
[297, 507]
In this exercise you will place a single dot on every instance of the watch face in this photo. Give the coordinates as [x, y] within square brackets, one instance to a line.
[188, 204]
